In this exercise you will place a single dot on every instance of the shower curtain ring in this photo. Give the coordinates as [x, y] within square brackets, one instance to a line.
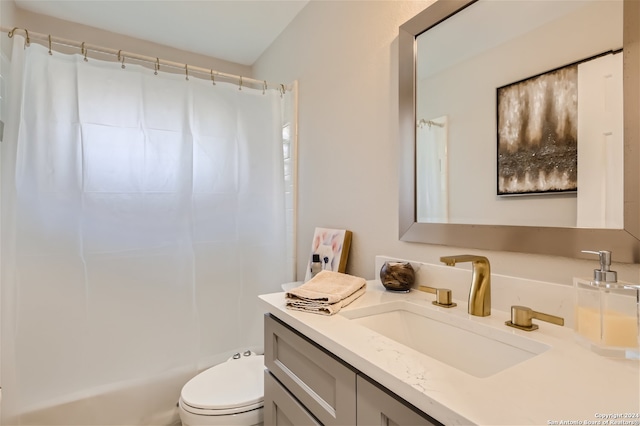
[84, 52]
[240, 85]
[282, 90]
[186, 72]
[264, 86]
[27, 41]
[50, 53]
[121, 58]
[157, 66]
[213, 80]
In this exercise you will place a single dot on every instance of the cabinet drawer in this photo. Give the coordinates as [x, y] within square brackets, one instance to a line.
[377, 406]
[281, 408]
[323, 384]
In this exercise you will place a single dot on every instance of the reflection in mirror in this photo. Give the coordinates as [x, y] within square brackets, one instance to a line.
[494, 117]
[473, 138]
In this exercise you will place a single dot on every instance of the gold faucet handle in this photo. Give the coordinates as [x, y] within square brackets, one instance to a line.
[443, 296]
[521, 317]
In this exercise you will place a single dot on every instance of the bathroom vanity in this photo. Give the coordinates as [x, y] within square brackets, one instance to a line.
[306, 384]
[390, 355]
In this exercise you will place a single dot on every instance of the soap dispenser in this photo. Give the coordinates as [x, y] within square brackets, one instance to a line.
[606, 314]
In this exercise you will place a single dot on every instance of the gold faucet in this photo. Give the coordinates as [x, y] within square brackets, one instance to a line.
[480, 291]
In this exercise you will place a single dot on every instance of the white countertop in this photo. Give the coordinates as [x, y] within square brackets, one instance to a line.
[566, 383]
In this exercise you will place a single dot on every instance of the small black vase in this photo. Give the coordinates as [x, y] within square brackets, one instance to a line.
[397, 276]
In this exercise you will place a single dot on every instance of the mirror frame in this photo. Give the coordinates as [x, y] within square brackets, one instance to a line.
[567, 242]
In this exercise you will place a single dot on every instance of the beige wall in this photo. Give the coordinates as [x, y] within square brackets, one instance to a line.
[7, 17]
[69, 30]
[344, 54]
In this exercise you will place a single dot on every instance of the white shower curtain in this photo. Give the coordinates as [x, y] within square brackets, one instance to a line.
[432, 166]
[142, 216]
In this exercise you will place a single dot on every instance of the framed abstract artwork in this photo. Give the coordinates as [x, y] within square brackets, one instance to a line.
[537, 122]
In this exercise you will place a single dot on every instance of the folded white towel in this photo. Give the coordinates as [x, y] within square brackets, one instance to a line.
[326, 293]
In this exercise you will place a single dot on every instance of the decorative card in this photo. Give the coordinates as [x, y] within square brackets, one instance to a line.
[333, 247]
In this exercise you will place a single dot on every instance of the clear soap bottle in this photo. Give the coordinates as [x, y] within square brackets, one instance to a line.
[607, 313]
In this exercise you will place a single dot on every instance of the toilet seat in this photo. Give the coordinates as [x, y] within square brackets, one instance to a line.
[233, 387]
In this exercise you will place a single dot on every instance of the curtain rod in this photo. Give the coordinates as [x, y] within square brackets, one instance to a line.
[122, 55]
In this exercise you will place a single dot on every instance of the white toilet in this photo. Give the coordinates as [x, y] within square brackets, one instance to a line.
[229, 394]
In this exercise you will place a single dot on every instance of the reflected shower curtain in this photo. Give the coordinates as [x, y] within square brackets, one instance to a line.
[432, 168]
[142, 216]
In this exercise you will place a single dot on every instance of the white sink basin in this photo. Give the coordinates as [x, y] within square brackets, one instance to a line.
[467, 345]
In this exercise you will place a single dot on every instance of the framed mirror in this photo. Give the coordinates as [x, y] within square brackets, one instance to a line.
[446, 29]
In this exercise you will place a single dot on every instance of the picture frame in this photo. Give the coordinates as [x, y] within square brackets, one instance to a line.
[333, 247]
[537, 126]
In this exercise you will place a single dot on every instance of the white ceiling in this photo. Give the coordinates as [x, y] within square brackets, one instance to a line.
[233, 30]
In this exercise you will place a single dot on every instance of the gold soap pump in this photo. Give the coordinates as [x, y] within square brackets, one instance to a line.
[607, 313]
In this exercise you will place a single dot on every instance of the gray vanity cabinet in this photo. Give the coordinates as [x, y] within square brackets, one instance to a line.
[323, 384]
[307, 385]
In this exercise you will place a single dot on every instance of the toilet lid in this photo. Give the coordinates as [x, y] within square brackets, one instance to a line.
[233, 384]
